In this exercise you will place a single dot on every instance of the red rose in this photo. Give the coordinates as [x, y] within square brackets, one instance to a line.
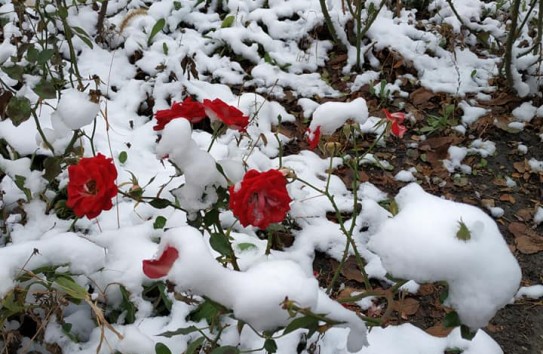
[229, 115]
[260, 199]
[397, 119]
[188, 109]
[157, 268]
[313, 137]
[91, 186]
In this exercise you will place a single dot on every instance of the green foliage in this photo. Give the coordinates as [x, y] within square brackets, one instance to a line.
[18, 110]
[210, 311]
[161, 348]
[463, 232]
[226, 350]
[451, 320]
[228, 21]
[159, 26]
[160, 222]
[157, 294]
[194, 345]
[123, 156]
[439, 123]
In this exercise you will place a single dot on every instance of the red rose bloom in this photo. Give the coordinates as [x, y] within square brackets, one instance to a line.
[397, 119]
[91, 186]
[157, 268]
[229, 115]
[260, 199]
[313, 137]
[188, 109]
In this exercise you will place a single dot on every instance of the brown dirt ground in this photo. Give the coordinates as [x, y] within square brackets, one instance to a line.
[518, 328]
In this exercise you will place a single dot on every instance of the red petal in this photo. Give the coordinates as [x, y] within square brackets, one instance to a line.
[157, 268]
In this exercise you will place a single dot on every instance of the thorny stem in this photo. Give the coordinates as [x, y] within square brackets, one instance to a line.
[40, 131]
[330, 25]
[512, 36]
[68, 33]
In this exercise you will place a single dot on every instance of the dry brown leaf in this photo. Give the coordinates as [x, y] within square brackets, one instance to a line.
[525, 214]
[421, 96]
[517, 228]
[439, 330]
[347, 293]
[508, 198]
[494, 328]
[351, 271]
[529, 245]
[527, 241]
[488, 203]
[407, 307]
[520, 166]
[426, 289]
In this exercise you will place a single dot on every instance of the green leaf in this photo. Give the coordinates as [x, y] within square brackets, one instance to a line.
[221, 244]
[211, 217]
[80, 32]
[62, 12]
[128, 306]
[177, 5]
[245, 246]
[159, 223]
[159, 203]
[32, 54]
[44, 56]
[193, 346]
[463, 232]
[45, 89]
[467, 333]
[123, 156]
[444, 294]
[20, 183]
[183, 331]
[52, 168]
[165, 48]
[161, 348]
[227, 349]
[18, 110]
[308, 322]
[70, 287]
[208, 310]
[15, 72]
[451, 320]
[270, 346]
[159, 25]
[228, 21]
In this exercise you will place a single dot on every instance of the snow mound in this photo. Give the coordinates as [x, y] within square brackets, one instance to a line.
[420, 243]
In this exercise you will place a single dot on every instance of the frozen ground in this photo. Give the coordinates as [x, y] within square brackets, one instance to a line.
[421, 242]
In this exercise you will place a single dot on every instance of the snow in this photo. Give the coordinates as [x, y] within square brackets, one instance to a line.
[418, 244]
[330, 116]
[538, 217]
[471, 114]
[75, 109]
[532, 292]
[525, 112]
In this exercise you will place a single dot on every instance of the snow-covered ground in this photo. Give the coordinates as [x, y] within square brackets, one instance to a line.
[426, 241]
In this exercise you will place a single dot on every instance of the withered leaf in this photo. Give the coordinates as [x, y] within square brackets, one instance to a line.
[439, 330]
[407, 307]
[351, 271]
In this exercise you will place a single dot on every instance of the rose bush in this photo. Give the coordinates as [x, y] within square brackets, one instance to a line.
[260, 199]
[218, 110]
[91, 186]
[188, 109]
